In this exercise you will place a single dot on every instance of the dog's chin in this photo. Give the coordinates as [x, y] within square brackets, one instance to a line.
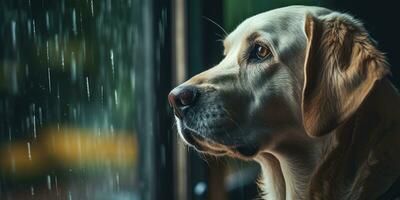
[209, 146]
[201, 144]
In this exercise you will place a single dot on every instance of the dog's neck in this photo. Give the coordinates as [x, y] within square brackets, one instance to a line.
[324, 167]
[288, 167]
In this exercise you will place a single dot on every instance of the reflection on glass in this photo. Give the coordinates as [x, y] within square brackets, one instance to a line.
[67, 99]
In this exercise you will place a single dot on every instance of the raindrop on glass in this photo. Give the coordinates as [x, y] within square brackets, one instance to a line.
[62, 59]
[40, 117]
[117, 180]
[116, 97]
[13, 33]
[27, 71]
[48, 182]
[29, 27]
[47, 21]
[91, 8]
[112, 61]
[49, 78]
[34, 125]
[69, 195]
[111, 128]
[34, 28]
[56, 42]
[132, 76]
[29, 150]
[47, 52]
[109, 6]
[56, 184]
[88, 88]
[58, 92]
[73, 67]
[102, 95]
[74, 29]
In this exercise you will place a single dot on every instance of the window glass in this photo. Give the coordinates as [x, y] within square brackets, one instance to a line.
[68, 74]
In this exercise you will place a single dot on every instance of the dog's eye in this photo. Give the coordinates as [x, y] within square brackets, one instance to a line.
[259, 53]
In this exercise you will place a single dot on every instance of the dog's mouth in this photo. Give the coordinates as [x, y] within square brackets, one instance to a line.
[203, 144]
[217, 148]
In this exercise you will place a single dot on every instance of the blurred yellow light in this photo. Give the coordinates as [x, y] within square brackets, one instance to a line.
[77, 146]
[69, 147]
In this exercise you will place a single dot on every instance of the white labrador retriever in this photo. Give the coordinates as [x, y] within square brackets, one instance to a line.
[303, 91]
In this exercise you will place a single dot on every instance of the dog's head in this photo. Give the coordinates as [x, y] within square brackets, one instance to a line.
[288, 74]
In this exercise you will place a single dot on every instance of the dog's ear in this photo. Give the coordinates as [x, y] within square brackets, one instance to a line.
[341, 67]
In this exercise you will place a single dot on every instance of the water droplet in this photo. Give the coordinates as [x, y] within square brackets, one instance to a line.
[102, 94]
[84, 48]
[112, 61]
[117, 180]
[26, 70]
[14, 34]
[47, 21]
[58, 92]
[56, 42]
[40, 117]
[29, 27]
[34, 125]
[132, 75]
[116, 97]
[48, 182]
[34, 28]
[62, 60]
[63, 7]
[47, 52]
[91, 8]
[29, 151]
[87, 88]
[74, 27]
[112, 128]
[74, 114]
[109, 6]
[14, 78]
[49, 78]
[56, 184]
[69, 195]
[28, 123]
[73, 67]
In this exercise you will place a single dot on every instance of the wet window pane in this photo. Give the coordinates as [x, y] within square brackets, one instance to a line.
[67, 99]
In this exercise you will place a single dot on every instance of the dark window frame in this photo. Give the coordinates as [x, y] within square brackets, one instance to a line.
[156, 140]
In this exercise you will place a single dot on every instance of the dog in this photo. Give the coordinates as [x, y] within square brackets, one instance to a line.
[305, 92]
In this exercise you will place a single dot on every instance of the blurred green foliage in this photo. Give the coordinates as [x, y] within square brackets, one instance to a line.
[235, 11]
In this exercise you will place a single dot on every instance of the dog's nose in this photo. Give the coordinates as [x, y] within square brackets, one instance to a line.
[181, 97]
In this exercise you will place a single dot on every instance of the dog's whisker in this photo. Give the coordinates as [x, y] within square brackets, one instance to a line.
[204, 158]
[215, 23]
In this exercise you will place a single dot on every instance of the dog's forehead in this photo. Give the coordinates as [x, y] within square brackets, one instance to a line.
[276, 23]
